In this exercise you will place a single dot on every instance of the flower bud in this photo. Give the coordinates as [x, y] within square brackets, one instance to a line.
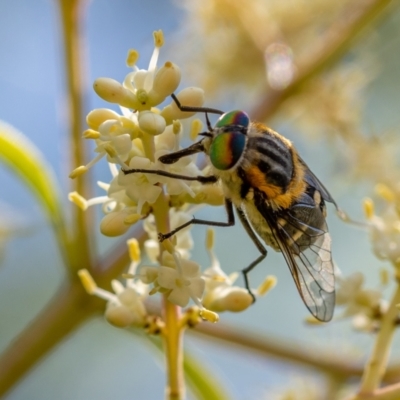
[113, 224]
[231, 298]
[151, 123]
[119, 316]
[96, 117]
[191, 96]
[166, 81]
[112, 91]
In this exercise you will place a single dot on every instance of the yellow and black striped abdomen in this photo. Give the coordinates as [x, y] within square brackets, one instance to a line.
[271, 166]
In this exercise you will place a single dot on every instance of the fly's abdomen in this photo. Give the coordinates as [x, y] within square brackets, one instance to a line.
[271, 167]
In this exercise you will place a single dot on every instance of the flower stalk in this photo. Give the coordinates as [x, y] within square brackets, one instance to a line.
[173, 337]
[376, 365]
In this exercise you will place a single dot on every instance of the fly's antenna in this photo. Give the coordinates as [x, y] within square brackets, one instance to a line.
[204, 110]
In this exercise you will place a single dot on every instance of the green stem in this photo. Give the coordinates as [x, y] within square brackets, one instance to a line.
[66, 311]
[377, 363]
[71, 15]
[69, 308]
[173, 338]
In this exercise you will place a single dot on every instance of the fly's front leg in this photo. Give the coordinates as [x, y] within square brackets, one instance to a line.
[160, 172]
[195, 221]
[259, 245]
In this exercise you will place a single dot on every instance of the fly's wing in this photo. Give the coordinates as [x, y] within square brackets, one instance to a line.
[302, 235]
[313, 181]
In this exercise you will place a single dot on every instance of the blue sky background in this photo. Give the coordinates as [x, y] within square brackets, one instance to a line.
[99, 361]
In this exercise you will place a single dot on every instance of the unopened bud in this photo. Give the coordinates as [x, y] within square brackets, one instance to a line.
[112, 91]
[96, 117]
[113, 224]
[191, 97]
[166, 81]
[151, 123]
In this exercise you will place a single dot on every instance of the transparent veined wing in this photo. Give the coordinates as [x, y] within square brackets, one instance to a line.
[302, 236]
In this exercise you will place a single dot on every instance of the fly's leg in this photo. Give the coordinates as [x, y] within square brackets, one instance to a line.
[205, 110]
[259, 245]
[195, 221]
[199, 178]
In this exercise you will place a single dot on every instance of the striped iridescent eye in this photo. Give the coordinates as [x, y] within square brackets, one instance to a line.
[236, 117]
[227, 147]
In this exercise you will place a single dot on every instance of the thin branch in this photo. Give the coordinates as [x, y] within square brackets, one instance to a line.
[391, 392]
[71, 15]
[332, 46]
[66, 311]
[339, 366]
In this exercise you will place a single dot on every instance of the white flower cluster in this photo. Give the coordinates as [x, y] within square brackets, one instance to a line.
[385, 229]
[367, 306]
[135, 140]
[364, 306]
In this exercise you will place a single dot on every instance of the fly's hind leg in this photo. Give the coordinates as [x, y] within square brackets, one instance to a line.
[195, 221]
[259, 245]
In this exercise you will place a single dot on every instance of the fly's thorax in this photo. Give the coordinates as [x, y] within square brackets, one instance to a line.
[249, 157]
[271, 166]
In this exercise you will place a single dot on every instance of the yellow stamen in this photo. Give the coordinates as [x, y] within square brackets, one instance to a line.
[385, 192]
[77, 199]
[134, 249]
[158, 38]
[78, 171]
[210, 238]
[169, 246]
[176, 127]
[268, 284]
[368, 205]
[90, 134]
[87, 281]
[109, 150]
[313, 321]
[131, 59]
[209, 315]
[384, 276]
[195, 129]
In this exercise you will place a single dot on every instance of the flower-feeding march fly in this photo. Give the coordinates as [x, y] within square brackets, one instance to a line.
[275, 194]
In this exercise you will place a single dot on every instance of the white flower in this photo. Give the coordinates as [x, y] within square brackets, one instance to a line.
[385, 236]
[125, 306]
[113, 135]
[365, 306]
[140, 187]
[182, 279]
[384, 230]
[184, 241]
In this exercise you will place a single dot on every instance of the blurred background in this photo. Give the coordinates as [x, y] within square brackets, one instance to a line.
[344, 121]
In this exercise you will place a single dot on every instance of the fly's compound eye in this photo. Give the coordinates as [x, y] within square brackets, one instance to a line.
[236, 118]
[227, 147]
